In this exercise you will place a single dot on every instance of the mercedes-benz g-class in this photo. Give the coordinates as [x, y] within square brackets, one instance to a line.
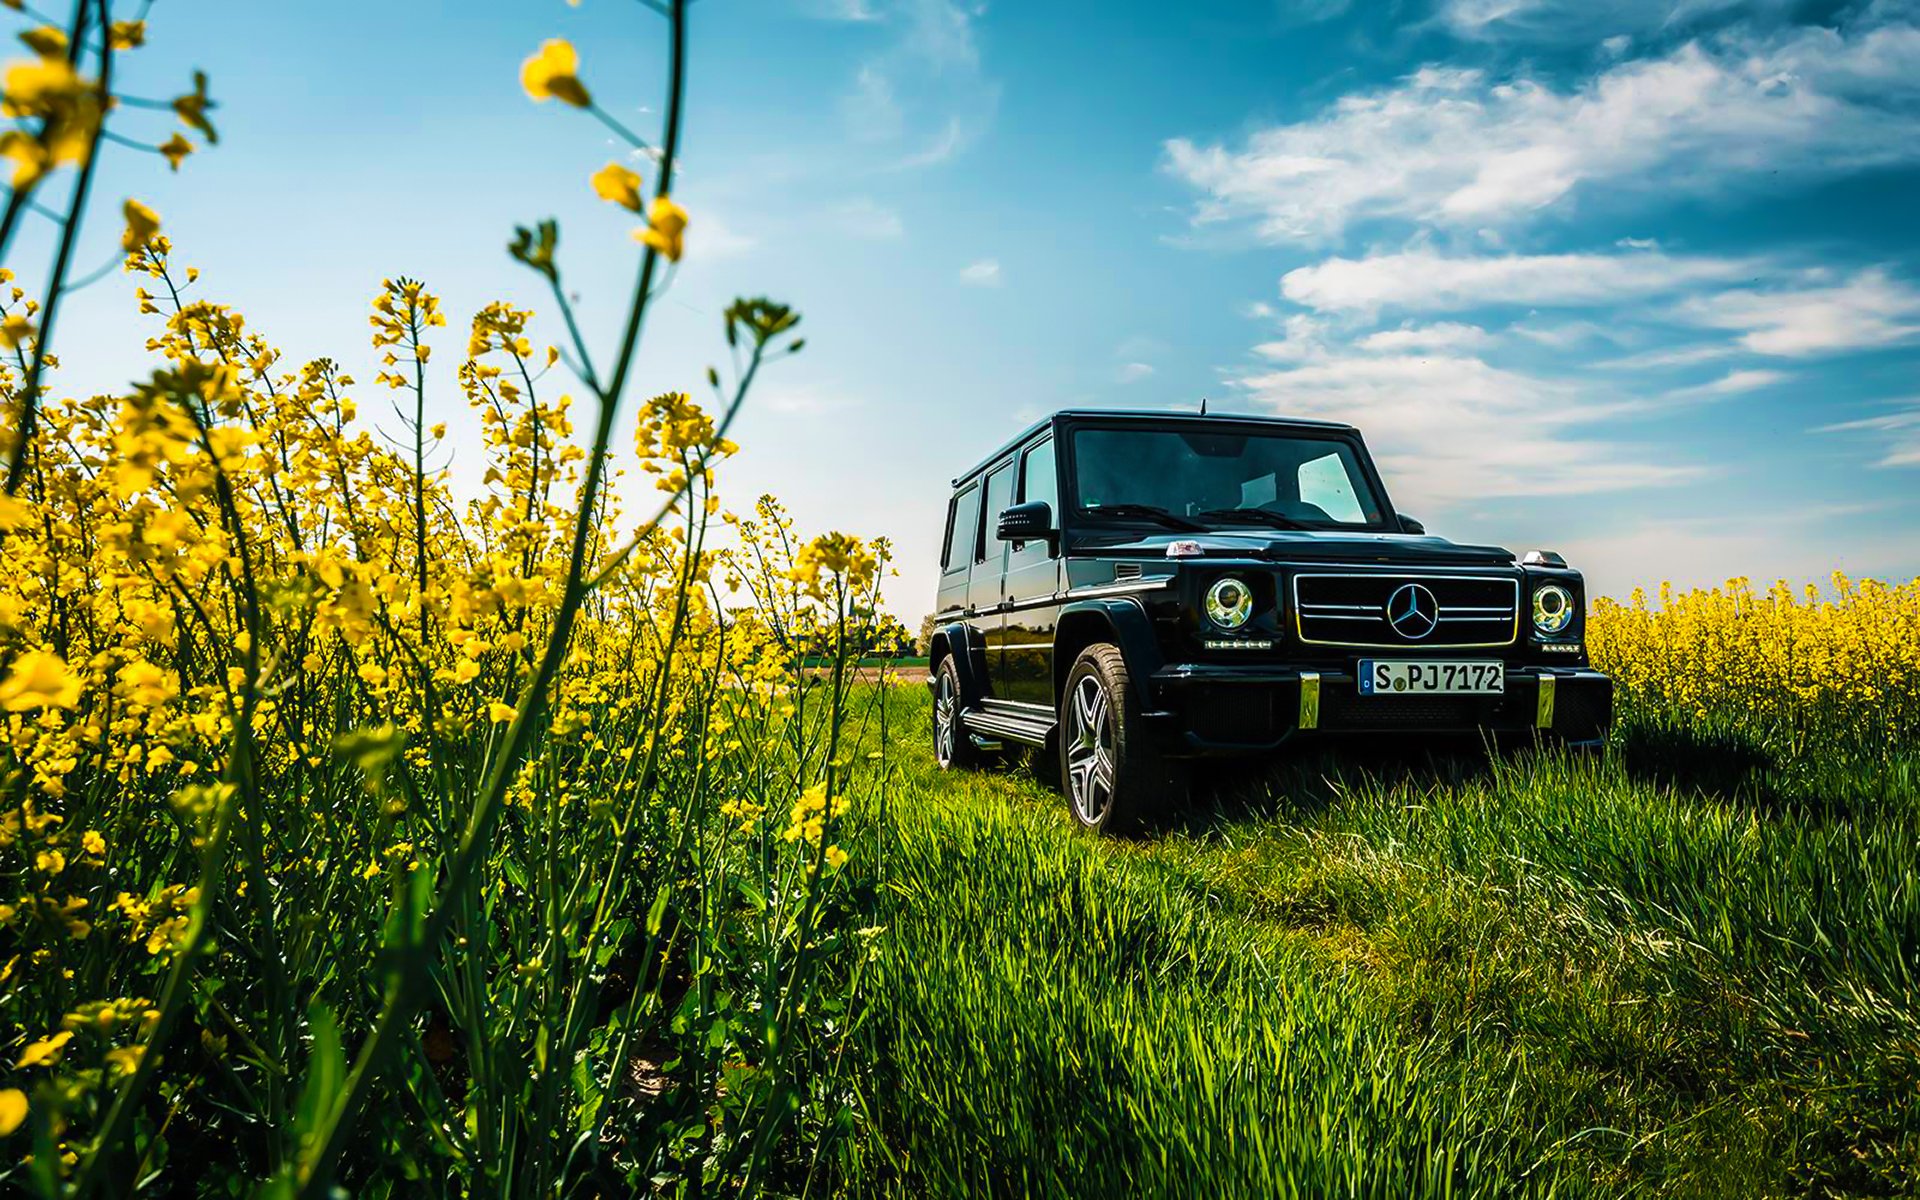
[1133, 591]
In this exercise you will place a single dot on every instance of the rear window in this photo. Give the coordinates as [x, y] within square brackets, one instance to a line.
[963, 529]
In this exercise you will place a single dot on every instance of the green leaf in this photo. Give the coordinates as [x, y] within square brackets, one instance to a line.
[326, 1076]
[657, 915]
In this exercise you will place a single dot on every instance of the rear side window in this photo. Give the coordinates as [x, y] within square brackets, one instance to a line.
[999, 496]
[963, 529]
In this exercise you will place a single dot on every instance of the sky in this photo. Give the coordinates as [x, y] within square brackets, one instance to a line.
[1638, 282]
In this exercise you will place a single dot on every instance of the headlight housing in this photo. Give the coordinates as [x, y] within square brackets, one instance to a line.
[1229, 602]
[1552, 608]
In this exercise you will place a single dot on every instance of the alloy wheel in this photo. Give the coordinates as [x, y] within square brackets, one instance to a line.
[943, 719]
[1089, 734]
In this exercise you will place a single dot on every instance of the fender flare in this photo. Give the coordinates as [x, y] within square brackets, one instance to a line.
[965, 645]
[1118, 620]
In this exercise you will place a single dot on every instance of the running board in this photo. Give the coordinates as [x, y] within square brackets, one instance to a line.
[1008, 726]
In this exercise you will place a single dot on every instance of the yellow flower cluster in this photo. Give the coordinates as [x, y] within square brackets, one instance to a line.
[811, 814]
[1798, 669]
[230, 610]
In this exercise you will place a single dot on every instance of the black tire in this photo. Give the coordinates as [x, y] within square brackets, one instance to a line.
[953, 747]
[1110, 771]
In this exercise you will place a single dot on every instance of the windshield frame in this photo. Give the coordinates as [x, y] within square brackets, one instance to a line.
[1068, 443]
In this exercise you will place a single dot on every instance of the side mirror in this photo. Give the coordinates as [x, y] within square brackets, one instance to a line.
[1029, 522]
[1409, 525]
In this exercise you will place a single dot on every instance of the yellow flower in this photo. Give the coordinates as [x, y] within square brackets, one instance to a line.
[34, 84]
[192, 108]
[142, 224]
[145, 684]
[500, 713]
[93, 843]
[465, 671]
[551, 73]
[618, 184]
[39, 679]
[836, 858]
[16, 328]
[48, 41]
[175, 150]
[13, 1110]
[124, 1060]
[46, 1051]
[125, 35]
[30, 158]
[666, 226]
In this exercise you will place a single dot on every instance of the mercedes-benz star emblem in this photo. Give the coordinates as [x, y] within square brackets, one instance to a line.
[1412, 611]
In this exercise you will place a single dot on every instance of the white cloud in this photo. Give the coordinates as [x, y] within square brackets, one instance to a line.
[805, 399]
[1458, 148]
[1450, 428]
[1869, 309]
[1731, 384]
[1562, 335]
[985, 273]
[1895, 434]
[1706, 552]
[1583, 20]
[843, 10]
[713, 238]
[923, 97]
[1444, 335]
[863, 217]
[1423, 280]
[1132, 372]
[1672, 356]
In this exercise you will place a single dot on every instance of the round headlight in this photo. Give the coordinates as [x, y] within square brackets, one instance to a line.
[1229, 602]
[1552, 608]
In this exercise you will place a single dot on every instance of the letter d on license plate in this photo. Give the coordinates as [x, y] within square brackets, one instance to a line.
[1402, 676]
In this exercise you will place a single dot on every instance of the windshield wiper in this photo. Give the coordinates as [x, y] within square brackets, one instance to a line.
[1258, 516]
[1150, 512]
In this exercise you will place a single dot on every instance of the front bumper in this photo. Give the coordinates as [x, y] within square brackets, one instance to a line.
[1225, 709]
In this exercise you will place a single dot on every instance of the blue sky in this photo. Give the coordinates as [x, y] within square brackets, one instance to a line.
[1637, 281]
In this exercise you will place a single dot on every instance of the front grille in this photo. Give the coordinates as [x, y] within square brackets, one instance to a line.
[1351, 610]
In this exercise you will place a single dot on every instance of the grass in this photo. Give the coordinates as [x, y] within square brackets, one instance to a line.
[1435, 975]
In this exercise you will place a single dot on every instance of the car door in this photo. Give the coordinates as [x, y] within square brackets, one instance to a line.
[1032, 590]
[985, 587]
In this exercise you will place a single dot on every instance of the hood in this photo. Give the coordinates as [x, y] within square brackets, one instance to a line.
[1310, 545]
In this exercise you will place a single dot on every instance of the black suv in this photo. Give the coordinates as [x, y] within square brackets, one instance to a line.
[1137, 590]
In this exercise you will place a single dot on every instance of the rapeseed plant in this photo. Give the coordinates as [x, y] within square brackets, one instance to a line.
[353, 830]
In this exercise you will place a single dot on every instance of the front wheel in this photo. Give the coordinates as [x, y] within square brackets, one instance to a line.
[1112, 773]
[952, 745]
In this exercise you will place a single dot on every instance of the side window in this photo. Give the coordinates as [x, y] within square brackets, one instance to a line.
[1325, 484]
[963, 529]
[1037, 477]
[999, 498]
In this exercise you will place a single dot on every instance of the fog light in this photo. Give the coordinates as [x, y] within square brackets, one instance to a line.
[1552, 608]
[1229, 602]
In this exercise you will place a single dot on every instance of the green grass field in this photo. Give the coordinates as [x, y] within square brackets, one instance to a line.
[1665, 971]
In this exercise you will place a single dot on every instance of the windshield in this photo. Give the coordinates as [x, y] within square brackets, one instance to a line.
[1223, 477]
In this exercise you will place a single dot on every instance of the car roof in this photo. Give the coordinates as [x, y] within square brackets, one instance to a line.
[1128, 416]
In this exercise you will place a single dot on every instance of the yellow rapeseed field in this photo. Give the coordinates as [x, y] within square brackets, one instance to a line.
[1798, 671]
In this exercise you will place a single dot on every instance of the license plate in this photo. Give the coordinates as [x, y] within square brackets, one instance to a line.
[1399, 676]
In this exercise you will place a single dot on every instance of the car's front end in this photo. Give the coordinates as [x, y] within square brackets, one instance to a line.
[1263, 638]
